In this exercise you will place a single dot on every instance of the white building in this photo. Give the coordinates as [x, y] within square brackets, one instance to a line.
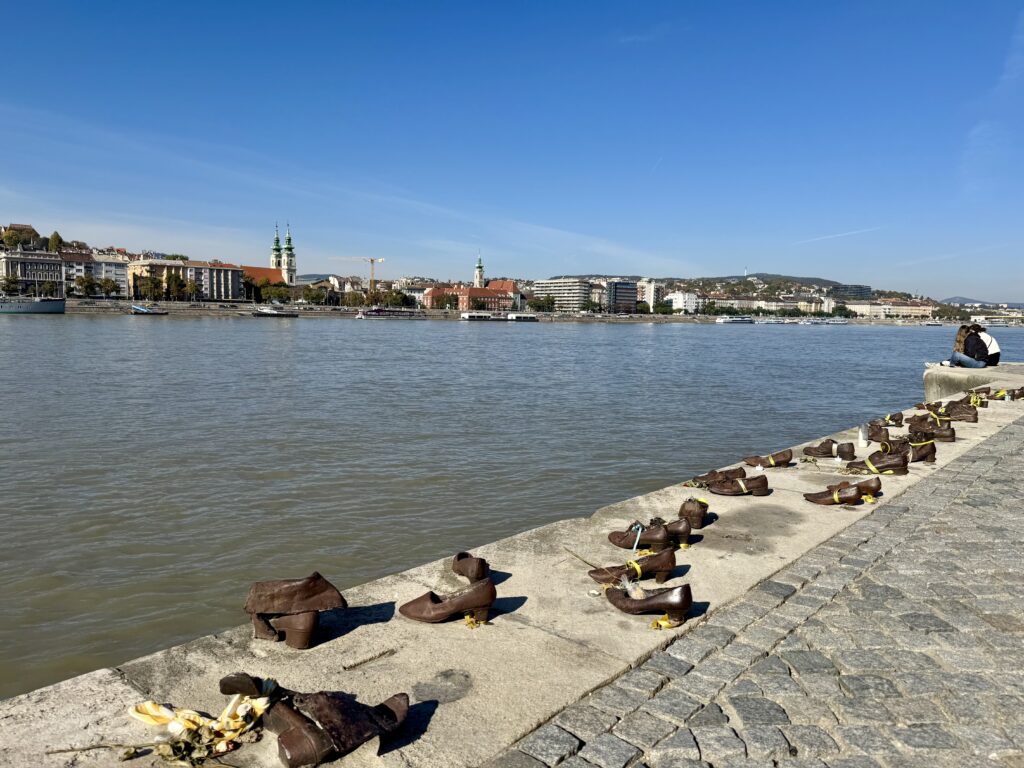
[570, 294]
[691, 303]
[650, 291]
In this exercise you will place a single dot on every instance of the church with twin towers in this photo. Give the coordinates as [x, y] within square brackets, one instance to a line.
[283, 259]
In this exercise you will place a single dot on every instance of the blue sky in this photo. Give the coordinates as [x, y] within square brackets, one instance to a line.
[871, 142]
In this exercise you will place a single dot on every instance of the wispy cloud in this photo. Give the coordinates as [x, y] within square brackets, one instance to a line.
[955, 255]
[648, 35]
[837, 235]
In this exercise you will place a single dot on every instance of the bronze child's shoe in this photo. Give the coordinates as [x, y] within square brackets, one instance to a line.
[717, 475]
[674, 602]
[870, 487]
[879, 463]
[780, 459]
[472, 568]
[829, 447]
[850, 494]
[660, 564]
[474, 602]
[291, 606]
[755, 486]
[694, 511]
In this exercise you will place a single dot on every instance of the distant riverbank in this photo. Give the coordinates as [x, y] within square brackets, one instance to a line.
[184, 309]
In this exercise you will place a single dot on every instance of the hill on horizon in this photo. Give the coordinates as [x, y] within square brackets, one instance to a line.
[966, 300]
[765, 276]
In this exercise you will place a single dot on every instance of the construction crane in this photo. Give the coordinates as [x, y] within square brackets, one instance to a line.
[372, 261]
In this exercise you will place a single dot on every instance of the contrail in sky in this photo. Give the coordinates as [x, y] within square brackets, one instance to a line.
[841, 234]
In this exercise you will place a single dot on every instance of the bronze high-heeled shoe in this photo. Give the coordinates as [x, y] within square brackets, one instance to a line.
[269, 601]
[779, 459]
[660, 564]
[472, 568]
[674, 602]
[755, 486]
[474, 602]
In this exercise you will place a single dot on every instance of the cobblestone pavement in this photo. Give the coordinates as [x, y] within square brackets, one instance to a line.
[899, 642]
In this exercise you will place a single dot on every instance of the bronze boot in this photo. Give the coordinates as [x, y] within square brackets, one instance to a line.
[870, 487]
[829, 448]
[474, 602]
[755, 486]
[345, 722]
[877, 433]
[660, 564]
[674, 602]
[780, 459]
[472, 568]
[694, 512]
[287, 597]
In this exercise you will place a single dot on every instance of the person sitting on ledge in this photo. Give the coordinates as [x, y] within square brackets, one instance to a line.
[974, 348]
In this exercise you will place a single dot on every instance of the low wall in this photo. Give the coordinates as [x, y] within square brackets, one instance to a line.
[942, 382]
[553, 636]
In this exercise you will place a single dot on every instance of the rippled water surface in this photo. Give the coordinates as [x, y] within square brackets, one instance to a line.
[152, 467]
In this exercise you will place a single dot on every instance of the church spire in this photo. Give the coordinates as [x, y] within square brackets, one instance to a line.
[275, 251]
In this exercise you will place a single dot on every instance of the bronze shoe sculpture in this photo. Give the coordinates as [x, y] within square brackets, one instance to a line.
[870, 487]
[315, 728]
[928, 421]
[829, 447]
[694, 511]
[674, 602]
[849, 494]
[889, 420]
[755, 486]
[655, 536]
[469, 567]
[474, 602]
[879, 463]
[779, 459]
[877, 433]
[660, 564]
[945, 434]
[291, 607]
[961, 412]
[718, 475]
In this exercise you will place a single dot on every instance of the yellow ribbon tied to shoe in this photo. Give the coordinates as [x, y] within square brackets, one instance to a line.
[218, 734]
[874, 469]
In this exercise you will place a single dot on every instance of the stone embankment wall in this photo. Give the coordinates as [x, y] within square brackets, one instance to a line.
[553, 637]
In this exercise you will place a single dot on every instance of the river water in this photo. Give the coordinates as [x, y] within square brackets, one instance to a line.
[152, 467]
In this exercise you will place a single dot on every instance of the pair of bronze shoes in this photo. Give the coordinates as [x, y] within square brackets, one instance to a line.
[660, 565]
[291, 608]
[845, 492]
[655, 536]
[755, 486]
[917, 446]
[889, 420]
[719, 475]
[829, 447]
[673, 602]
[879, 463]
[772, 460]
[877, 433]
[315, 728]
[474, 602]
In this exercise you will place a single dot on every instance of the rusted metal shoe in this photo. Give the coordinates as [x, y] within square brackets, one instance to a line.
[655, 536]
[877, 433]
[469, 567]
[290, 607]
[717, 475]
[879, 463]
[779, 459]
[694, 511]
[850, 494]
[755, 486]
[474, 603]
[870, 487]
[828, 448]
[659, 565]
[673, 602]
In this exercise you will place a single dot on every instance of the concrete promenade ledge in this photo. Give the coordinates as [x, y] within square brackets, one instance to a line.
[562, 678]
[941, 382]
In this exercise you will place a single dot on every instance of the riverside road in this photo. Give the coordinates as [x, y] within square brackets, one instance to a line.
[897, 643]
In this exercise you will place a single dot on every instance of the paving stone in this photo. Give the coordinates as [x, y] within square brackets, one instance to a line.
[765, 742]
[717, 743]
[774, 686]
[809, 662]
[643, 730]
[868, 685]
[861, 661]
[804, 710]
[608, 751]
[699, 687]
[665, 664]
[672, 704]
[860, 761]
[753, 710]
[744, 653]
[712, 714]
[617, 700]
[926, 622]
[575, 762]
[691, 650]
[743, 687]
[926, 737]
[514, 759]
[644, 680]
[721, 668]
[982, 739]
[777, 589]
[820, 685]
[716, 635]
[772, 665]
[915, 709]
[550, 744]
[585, 721]
[810, 740]
[677, 749]
[870, 740]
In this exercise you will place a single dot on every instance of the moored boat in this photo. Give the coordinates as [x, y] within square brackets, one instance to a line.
[27, 305]
[146, 309]
[726, 319]
[273, 312]
[476, 316]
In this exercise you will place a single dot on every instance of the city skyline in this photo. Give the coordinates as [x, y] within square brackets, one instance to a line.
[606, 140]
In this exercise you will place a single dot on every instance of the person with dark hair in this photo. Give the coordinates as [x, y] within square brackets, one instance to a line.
[979, 349]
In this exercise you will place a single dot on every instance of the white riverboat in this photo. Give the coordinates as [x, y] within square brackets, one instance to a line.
[27, 305]
[520, 317]
[476, 316]
[726, 319]
[273, 312]
[390, 313]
